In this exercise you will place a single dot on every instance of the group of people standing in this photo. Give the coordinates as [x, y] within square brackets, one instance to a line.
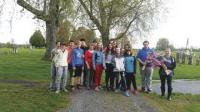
[85, 65]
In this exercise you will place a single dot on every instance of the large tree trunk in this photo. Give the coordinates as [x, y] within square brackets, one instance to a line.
[51, 27]
[105, 32]
[51, 18]
[50, 38]
[105, 38]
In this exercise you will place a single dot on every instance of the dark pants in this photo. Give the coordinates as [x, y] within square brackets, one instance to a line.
[85, 75]
[169, 84]
[109, 73]
[90, 76]
[78, 71]
[130, 78]
[120, 80]
[71, 71]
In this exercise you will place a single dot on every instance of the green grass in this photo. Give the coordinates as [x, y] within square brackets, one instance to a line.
[183, 71]
[26, 66]
[17, 98]
[179, 103]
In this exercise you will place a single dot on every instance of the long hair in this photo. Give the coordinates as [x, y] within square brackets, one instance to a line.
[107, 50]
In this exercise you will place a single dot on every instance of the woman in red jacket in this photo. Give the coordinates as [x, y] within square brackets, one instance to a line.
[89, 69]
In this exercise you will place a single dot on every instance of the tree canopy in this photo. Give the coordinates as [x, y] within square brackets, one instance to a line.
[37, 39]
[123, 16]
[163, 43]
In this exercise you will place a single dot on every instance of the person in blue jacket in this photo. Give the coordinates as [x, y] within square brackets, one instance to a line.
[77, 64]
[130, 72]
[98, 62]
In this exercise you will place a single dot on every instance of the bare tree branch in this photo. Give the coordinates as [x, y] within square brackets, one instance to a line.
[38, 13]
[127, 28]
[130, 23]
[92, 17]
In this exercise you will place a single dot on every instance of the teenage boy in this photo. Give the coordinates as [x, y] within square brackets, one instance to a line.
[70, 68]
[62, 67]
[54, 53]
[77, 64]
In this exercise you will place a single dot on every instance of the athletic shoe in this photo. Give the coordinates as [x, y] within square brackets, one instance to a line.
[96, 89]
[135, 92]
[117, 90]
[65, 90]
[57, 91]
[149, 91]
[78, 87]
[73, 88]
[88, 88]
[142, 90]
[112, 89]
[127, 94]
[169, 98]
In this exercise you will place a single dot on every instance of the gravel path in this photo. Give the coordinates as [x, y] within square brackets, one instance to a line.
[181, 86]
[91, 101]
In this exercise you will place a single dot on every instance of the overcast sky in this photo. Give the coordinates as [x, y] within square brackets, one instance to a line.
[183, 22]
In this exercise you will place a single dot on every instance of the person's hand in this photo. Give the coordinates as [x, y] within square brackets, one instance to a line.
[74, 68]
[88, 67]
[143, 63]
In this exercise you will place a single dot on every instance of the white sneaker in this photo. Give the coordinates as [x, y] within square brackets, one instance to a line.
[127, 94]
[65, 90]
[57, 91]
[117, 91]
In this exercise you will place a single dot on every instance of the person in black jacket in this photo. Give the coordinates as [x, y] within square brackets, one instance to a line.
[166, 72]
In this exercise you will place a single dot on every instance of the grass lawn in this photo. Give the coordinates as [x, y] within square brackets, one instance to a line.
[183, 71]
[24, 66]
[31, 95]
[179, 103]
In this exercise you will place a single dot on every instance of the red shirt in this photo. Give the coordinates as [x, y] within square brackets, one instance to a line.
[88, 57]
[69, 49]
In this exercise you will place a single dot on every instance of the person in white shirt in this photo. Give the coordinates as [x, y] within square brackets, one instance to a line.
[61, 64]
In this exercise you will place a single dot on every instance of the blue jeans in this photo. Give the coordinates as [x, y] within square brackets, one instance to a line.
[61, 77]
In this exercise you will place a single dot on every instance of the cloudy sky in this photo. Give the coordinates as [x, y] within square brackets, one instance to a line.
[183, 22]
